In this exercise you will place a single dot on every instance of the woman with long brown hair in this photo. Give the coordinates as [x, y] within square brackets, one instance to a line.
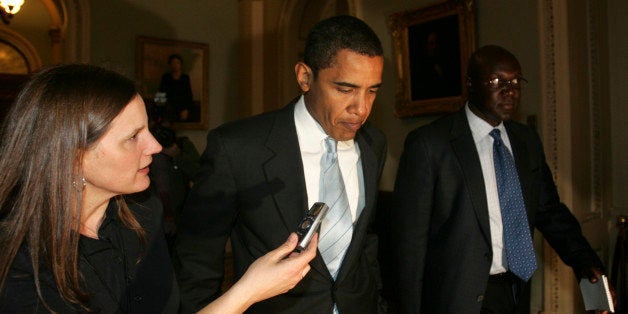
[73, 146]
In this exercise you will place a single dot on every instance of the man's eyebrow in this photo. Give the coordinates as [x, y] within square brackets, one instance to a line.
[346, 84]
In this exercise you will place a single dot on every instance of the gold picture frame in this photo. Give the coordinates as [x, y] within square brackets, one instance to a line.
[153, 56]
[432, 46]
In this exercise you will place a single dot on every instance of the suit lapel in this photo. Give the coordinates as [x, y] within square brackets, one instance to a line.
[282, 141]
[462, 143]
[286, 166]
[369, 169]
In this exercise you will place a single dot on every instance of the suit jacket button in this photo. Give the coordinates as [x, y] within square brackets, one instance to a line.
[480, 298]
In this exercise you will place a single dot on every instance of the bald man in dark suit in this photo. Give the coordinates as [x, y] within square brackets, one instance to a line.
[450, 234]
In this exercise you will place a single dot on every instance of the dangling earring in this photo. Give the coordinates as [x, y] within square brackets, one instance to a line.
[79, 186]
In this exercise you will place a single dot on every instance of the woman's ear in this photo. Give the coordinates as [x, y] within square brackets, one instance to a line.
[304, 76]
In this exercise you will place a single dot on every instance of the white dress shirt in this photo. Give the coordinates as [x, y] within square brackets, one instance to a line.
[484, 144]
[312, 145]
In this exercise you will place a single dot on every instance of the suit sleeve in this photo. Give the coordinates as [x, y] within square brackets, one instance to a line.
[204, 227]
[410, 218]
[558, 225]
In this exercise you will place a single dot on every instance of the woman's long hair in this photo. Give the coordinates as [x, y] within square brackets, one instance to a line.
[59, 114]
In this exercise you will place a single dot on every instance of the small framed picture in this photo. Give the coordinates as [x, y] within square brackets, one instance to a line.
[174, 81]
[432, 46]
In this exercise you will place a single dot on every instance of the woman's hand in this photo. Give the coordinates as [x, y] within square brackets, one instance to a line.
[274, 273]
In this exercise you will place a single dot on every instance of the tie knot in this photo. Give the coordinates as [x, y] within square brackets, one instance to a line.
[330, 145]
[496, 134]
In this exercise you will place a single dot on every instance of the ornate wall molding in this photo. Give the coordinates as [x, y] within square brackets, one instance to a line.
[77, 36]
[551, 286]
[575, 96]
[21, 44]
[594, 7]
[549, 84]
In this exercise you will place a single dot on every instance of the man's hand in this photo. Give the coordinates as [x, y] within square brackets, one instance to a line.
[594, 274]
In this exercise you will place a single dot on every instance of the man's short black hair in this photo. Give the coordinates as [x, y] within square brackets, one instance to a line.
[336, 33]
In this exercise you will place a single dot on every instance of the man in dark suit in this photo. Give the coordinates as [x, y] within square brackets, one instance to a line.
[260, 175]
[452, 249]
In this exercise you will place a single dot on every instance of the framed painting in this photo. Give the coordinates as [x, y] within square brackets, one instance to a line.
[432, 46]
[174, 83]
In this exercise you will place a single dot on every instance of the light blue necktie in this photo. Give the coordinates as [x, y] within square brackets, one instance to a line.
[517, 238]
[337, 227]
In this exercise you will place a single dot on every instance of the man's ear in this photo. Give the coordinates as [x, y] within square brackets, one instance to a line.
[304, 76]
[469, 84]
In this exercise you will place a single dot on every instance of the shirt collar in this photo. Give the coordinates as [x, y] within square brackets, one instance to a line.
[480, 129]
[311, 132]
